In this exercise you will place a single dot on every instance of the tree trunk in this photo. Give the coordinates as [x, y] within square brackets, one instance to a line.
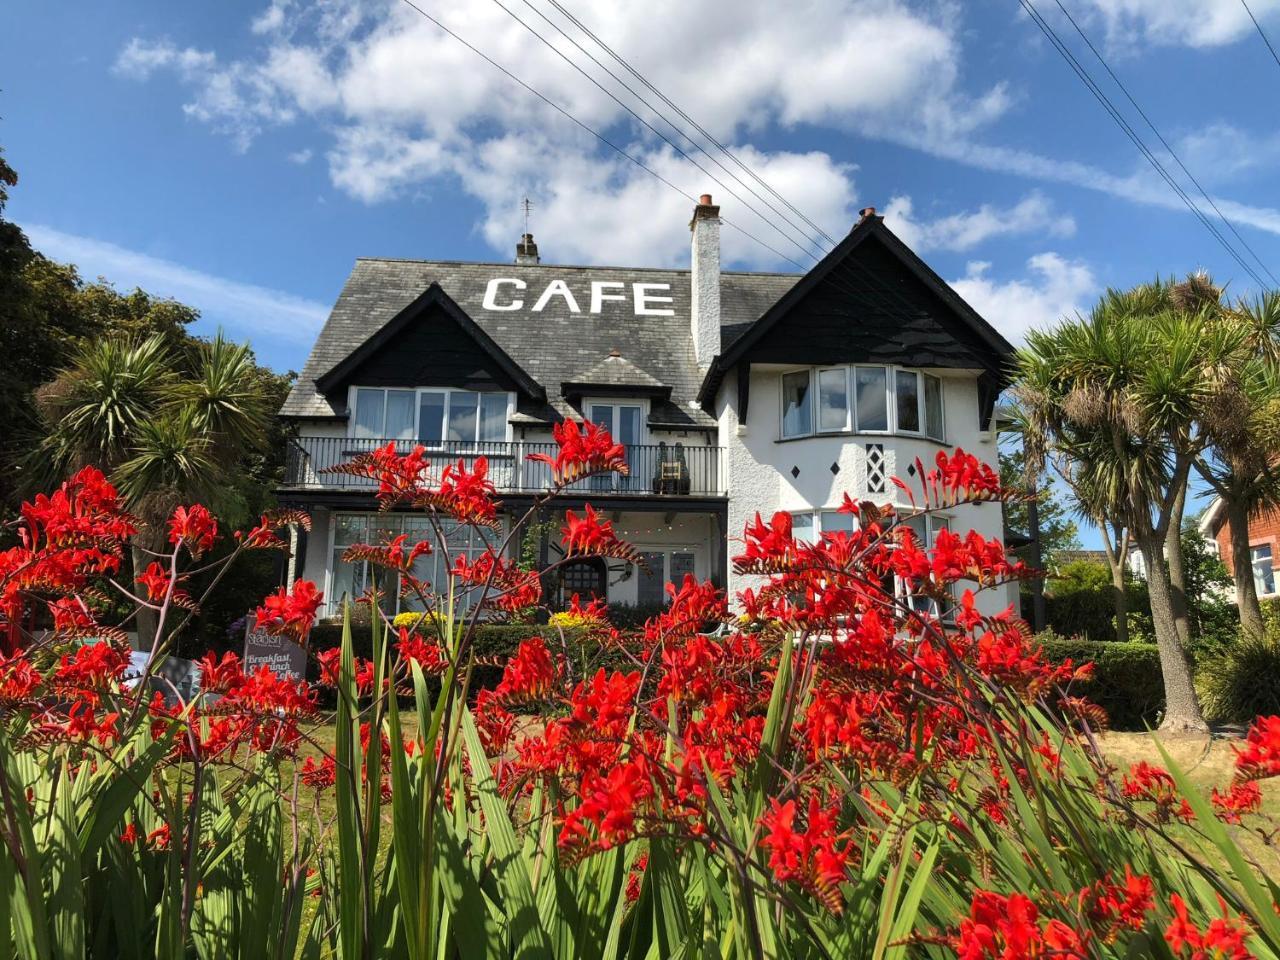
[1116, 557]
[1251, 621]
[1176, 568]
[1182, 707]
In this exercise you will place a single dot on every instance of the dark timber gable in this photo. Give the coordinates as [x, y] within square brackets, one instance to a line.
[870, 300]
[431, 342]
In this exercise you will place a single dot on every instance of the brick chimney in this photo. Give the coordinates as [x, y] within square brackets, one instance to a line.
[705, 281]
[527, 251]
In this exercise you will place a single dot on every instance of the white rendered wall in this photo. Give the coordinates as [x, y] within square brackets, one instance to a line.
[759, 464]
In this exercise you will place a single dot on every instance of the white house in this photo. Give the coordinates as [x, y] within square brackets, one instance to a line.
[734, 393]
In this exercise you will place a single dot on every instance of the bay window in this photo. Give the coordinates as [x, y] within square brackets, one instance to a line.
[862, 399]
[431, 416]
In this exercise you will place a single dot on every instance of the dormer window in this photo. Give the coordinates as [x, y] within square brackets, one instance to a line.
[861, 399]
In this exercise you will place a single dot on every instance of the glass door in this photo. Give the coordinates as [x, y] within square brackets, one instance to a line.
[623, 421]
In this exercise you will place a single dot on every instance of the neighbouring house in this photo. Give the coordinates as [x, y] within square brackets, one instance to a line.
[1264, 544]
[735, 393]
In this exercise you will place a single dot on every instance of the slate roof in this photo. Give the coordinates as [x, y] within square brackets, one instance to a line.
[553, 346]
[617, 372]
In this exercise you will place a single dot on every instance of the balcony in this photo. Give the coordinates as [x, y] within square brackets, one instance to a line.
[657, 469]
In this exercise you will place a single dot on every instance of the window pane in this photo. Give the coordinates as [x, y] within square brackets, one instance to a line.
[463, 407]
[628, 425]
[907, 387]
[350, 528]
[369, 407]
[431, 419]
[833, 400]
[933, 407]
[493, 417]
[1264, 576]
[348, 581]
[917, 525]
[935, 524]
[797, 414]
[833, 522]
[871, 387]
[399, 415]
[802, 527]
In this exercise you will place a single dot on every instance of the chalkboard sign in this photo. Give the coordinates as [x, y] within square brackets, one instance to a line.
[281, 655]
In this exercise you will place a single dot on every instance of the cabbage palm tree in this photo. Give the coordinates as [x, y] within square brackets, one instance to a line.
[1121, 395]
[167, 429]
[1243, 427]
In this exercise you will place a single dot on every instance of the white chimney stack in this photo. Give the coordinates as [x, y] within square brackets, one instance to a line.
[705, 280]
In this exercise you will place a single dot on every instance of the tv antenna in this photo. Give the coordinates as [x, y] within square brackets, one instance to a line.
[526, 205]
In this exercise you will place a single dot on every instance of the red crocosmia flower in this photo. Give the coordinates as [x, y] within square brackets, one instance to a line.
[584, 449]
[220, 676]
[1111, 906]
[529, 674]
[156, 581]
[83, 724]
[1003, 927]
[467, 495]
[1260, 757]
[194, 526]
[18, 678]
[429, 657]
[592, 535]
[1243, 797]
[92, 666]
[70, 615]
[291, 612]
[130, 834]
[1223, 939]
[330, 663]
[1145, 781]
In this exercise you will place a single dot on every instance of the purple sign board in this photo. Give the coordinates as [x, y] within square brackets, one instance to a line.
[281, 655]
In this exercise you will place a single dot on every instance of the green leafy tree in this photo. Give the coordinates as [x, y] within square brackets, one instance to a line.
[1058, 530]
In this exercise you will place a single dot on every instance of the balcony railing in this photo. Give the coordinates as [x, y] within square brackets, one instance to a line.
[657, 469]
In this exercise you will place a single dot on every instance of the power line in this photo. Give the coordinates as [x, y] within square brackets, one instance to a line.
[599, 136]
[688, 119]
[1178, 160]
[1275, 56]
[803, 247]
[1128, 130]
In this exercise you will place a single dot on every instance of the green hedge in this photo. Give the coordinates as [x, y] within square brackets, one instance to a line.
[1127, 681]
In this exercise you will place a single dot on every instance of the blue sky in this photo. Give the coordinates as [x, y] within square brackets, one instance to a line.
[240, 155]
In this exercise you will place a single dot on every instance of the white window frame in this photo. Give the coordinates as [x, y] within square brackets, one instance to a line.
[1256, 561]
[666, 550]
[615, 402]
[817, 400]
[353, 393]
[782, 404]
[851, 425]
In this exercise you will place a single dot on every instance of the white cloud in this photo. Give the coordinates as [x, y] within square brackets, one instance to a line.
[1053, 288]
[301, 157]
[1034, 214]
[1193, 23]
[407, 104]
[244, 309]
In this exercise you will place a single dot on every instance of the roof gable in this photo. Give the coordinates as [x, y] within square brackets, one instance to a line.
[871, 299]
[432, 342]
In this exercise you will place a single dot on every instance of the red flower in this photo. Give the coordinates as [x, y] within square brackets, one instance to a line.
[1223, 939]
[220, 676]
[194, 526]
[593, 535]
[584, 449]
[156, 581]
[529, 675]
[1008, 928]
[1260, 757]
[291, 612]
[1243, 797]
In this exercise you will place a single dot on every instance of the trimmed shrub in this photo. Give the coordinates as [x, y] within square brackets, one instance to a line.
[1127, 683]
[1241, 684]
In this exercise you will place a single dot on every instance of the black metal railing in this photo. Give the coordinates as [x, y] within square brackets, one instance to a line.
[669, 469]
